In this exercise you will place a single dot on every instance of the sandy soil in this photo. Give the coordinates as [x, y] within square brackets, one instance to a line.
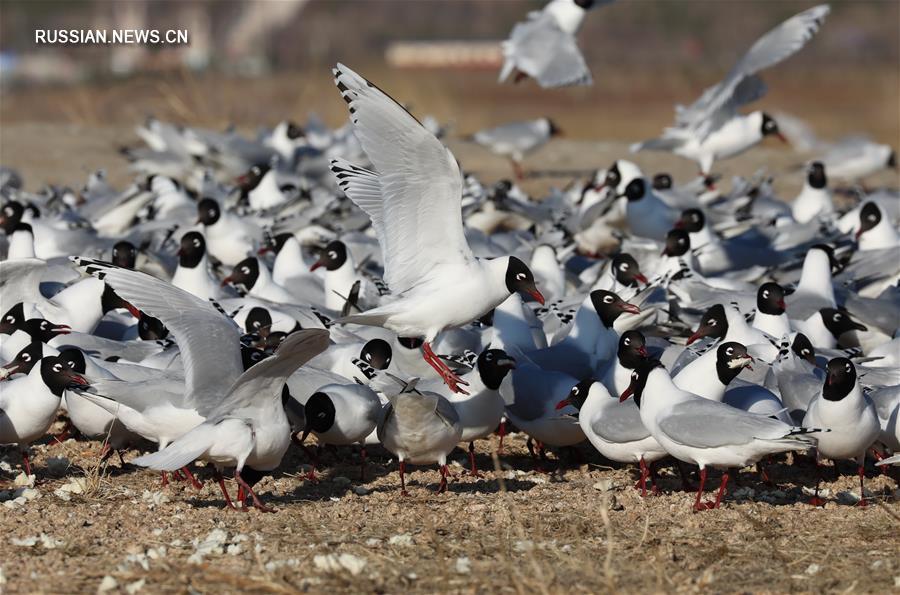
[582, 529]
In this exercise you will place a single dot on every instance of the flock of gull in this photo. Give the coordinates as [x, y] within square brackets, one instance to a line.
[357, 285]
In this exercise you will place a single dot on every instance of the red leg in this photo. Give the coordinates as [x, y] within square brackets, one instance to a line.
[256, 501]
[653, 477]
[721, 493]
[27, 462]
[442, 487]
[642, 482]
[449, 377]
[862, 477]
[815, 500]
[191, 478]
[878, 457]
[474, 468]
[698, 506]
[403, 491]
[501, 431]
[517, 169]
[221, 481]
[165, 479]
[763, 475]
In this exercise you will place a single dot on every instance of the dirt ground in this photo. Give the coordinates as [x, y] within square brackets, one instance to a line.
[581, 529]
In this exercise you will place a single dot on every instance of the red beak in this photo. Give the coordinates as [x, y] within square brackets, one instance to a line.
[10, 369]
[631, 308]
[62, 329]
[78, 380]
[263, 250]
[537, 296]
[679, 224]
[562, 404]
[625, 394]
[781, 138]
[858, 233]
[226, 280]
[600, 187]
[643, 352]
[315, 265]
[694, 337]
[781, 304]
[642, 279]
[134, 311]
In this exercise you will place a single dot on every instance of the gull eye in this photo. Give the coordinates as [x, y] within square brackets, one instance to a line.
[836, 317]
[256, 324]
[245, 270]
[211, 213]
[608, 299]
[848, 367]
[712, 322]
[255, 357]
[695, 217]
[729, 351]
[489, 357]
[575, 390]
[804, 351]
[26, 357]
[196, 243]
[520, 277]
[368, 357]
[10, 319]
[766, 294]
[44, 325]
[871, 217]
[623, 266]
[57, 367]
[8, 211]
[680, 240]
[332, 255]
[634, 375]
[627, 341]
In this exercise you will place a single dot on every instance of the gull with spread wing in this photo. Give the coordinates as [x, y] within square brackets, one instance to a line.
[414, 201]
[711, 128]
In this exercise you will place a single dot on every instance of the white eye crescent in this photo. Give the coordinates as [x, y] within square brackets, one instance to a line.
[196, 243]
[712, 322]
[766, 293]
[729, 351]
[836, 317]
[332, 254]
[489, 357]
[623, 266]
[848, 367]
[368, 357]
[10, 319]
[245, 270]
[627, 341]
[57, 367]
[608, 299]
[44, 325]
[211, 213]
[520, 277]
[26, 357]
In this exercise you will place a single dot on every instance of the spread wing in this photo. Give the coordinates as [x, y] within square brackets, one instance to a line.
[418, 219]
[539, 48]
[266, 379]
[208, 339]
[740, 86]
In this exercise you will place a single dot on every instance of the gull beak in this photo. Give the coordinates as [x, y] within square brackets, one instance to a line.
[642, 279]
[625, 394]
[61, 329]
[600, 187]
[134, 311]
[562, 404]
[697, 335]
[226, 281]
[781, 304]
[180, 252]
[8, 370]
[507, 363]
[315, 265]
[679, 224]
[859, 327]
[859, 232]
[263, 250]
[811, 359]
[643, 351]
[665, 251]
[828, 380]
[77, 380]
[630, 308]
[538, 297]
[781, 138]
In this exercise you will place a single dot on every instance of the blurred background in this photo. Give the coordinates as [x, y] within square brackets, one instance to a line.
[253, 63]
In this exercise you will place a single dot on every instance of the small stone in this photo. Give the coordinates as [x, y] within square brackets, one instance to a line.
[403, 539]
[234, 549]
[132, 588]
[30, 494]
[24, 480]
[603, 485]
[107, 584]
[24, 542]
[372, 542]
[463, 565]
[361, 490]
[812, 569]
[341, 480]
[58, 465]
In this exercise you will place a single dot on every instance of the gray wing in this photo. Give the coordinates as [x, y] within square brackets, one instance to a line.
[621, 423]
[709, 424]
[308, 380]
[770, 49]
[265, 380]
[140, 395]
[20, 279]
[208, 339]
[539, 48]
